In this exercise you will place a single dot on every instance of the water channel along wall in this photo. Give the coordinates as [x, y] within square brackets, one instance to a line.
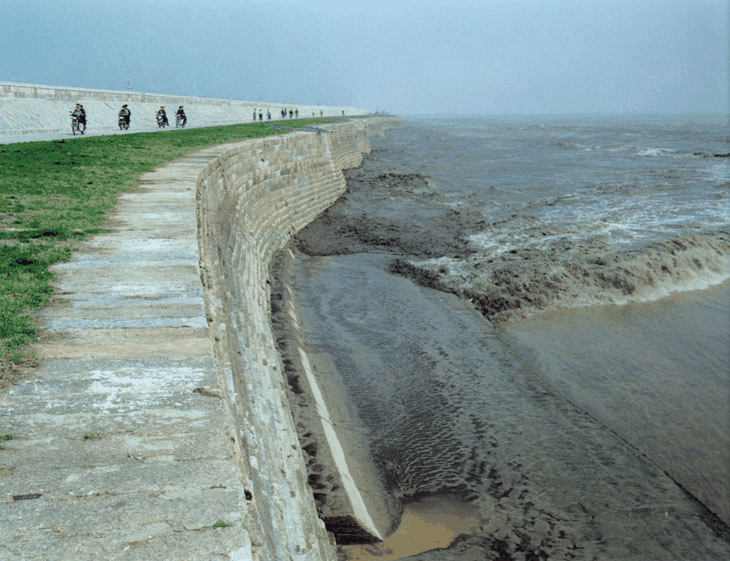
[159, 422]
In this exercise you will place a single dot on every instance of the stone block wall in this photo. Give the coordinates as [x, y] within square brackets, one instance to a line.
[251, 200]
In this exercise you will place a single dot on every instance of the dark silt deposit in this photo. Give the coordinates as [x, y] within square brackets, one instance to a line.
[564, 394]
[376, 217]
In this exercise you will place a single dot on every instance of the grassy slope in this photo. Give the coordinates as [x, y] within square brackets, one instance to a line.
[54, 193]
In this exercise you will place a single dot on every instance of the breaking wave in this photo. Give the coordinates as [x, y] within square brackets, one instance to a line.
[519, 284]
[655, 152]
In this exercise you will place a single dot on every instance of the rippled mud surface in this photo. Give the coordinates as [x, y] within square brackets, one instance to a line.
[451, 409]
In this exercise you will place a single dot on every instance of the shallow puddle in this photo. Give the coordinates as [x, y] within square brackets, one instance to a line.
[431, 523]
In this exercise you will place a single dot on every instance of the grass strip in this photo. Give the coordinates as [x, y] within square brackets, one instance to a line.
[55, 193]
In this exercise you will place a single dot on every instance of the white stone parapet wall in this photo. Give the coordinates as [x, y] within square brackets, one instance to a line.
[30, 108]
[251, 200]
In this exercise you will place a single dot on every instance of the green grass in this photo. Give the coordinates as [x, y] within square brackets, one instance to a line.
[5, 438]
[55, 193]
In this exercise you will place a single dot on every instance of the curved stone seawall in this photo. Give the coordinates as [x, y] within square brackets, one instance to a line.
[29, 108]
[251, 200]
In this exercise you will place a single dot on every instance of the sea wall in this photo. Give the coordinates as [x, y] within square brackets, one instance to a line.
[30, 108]
[251, 200]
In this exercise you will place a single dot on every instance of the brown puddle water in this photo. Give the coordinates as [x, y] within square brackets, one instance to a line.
[431, 523]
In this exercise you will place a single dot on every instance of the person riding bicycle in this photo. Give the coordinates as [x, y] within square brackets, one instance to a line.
[162, 113]
[80, 114]
[126, 113]
[181, 115]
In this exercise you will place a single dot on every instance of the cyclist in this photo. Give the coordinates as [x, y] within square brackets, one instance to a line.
[161, 112]
[181, 115]
[126, 113]
[80, 114]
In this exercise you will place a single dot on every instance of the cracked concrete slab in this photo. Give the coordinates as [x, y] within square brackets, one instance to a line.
[119, 446]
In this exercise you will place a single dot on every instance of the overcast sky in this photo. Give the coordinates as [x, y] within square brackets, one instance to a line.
[402, 56]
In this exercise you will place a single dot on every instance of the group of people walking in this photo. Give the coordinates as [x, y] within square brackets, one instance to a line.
[284, 112]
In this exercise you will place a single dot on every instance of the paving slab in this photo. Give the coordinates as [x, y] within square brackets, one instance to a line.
[120, 447]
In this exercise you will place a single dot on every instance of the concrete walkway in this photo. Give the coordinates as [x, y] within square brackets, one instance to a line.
[119, 445]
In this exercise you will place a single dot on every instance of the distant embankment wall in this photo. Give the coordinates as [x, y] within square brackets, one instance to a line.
[30, 108]
[251, 200]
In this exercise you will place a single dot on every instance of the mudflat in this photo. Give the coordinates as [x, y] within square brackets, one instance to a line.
[549, 436]
[460, 422]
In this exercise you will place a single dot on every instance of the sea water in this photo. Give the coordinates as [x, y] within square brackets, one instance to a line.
[581, 211]
[566, 390]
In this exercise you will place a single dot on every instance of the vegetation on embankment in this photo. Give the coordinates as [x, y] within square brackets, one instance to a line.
[55, 193]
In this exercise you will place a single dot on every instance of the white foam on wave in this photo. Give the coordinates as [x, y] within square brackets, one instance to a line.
[521, 281]
[690, 281]
[648, 214]
[603, 148]
[655, 152]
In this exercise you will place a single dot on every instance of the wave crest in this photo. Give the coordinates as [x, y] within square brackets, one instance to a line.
[521, 286]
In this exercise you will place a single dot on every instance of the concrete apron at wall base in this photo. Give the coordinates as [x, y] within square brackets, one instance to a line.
[348, 489]
[157, 425]
[27, 109]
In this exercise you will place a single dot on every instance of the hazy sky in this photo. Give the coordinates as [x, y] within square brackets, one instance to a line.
[402, 56]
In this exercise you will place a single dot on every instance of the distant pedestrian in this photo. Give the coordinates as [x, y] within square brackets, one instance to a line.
[261, 115]
[254, 114]
[268, 114]
[291, 114]
[296, 113]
